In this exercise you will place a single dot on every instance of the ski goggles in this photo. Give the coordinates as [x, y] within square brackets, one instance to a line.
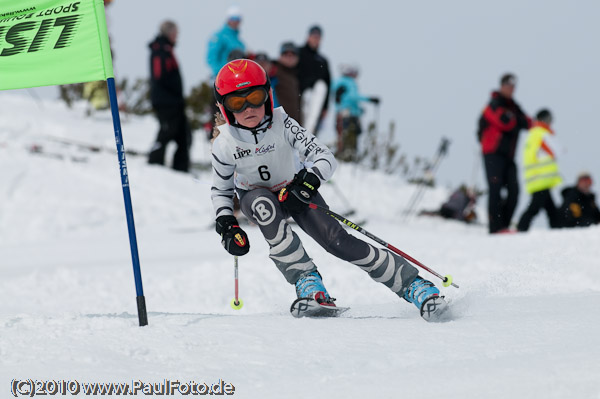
[254, 97]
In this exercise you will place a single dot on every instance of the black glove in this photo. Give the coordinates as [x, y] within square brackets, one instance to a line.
[522, 121]
[506, 117]
[374, 100]
[233, 238]
[305, 186]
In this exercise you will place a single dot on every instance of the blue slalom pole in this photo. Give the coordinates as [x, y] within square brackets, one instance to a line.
[114, 108]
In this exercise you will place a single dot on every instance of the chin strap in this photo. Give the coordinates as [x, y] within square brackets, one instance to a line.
[262, 127]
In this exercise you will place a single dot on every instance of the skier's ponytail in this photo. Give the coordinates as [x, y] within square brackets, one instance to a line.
[219, 120]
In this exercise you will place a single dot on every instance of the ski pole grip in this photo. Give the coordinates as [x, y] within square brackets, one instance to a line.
[295, 194]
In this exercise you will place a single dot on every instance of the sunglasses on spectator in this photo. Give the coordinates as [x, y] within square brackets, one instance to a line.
[239, 101]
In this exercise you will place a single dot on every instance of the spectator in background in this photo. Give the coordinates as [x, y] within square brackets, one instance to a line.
[579, 208]
[264, 61]
[225, 41]
[287, 89]
[315, 81]
[348, 112]
[225, 45]
[499, 127]
[236, 54]
[96, 92]
[541, 170]
[166, 94]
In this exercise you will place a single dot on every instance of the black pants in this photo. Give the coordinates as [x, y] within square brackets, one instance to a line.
[287, 252]
[539, 200]
[174, 126]
[501, 173]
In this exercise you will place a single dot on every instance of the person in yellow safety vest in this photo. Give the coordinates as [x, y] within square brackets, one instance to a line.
[97, 95]
[541, 171]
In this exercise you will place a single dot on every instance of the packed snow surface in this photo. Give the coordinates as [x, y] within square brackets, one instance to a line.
[525, 318]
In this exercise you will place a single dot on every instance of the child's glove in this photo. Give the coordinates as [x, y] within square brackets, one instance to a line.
[305, 186]
[233, 238]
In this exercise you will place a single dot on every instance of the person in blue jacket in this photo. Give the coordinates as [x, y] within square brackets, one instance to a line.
[348, 111]
[226, 40]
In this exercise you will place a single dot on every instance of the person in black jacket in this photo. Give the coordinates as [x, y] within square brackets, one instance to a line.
[166, 94]
[499, 127]
[579, 207]
[312, 68]
[288, 85]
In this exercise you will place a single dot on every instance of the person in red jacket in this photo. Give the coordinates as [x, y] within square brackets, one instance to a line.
[499, 127]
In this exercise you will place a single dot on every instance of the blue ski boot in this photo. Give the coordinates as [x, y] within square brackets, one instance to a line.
[427, 299]
[310, 285]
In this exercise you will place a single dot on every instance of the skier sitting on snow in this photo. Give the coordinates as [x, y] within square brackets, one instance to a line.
[255, 154]
[460, 206]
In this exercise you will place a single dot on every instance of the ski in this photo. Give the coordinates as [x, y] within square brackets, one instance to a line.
[82, 145]
[37, 149]
[435, 310]
[308, 307]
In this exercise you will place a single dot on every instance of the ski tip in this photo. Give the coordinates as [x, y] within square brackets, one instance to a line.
[436, 310]
[308, 307]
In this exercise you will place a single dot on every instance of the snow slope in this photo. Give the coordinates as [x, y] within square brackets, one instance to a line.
[525, 326]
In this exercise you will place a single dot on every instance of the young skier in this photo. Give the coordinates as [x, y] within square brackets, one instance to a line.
[271, 162]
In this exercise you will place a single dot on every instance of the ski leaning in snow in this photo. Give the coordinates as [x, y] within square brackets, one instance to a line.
[38, 149]
[313, 99]
[308, 307]
[90, 146]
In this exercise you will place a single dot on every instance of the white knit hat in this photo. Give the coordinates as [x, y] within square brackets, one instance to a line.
[234, 12]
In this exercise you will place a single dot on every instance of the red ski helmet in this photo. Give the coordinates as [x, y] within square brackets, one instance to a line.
[238, 76]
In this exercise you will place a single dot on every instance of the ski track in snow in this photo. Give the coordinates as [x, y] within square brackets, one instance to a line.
[525, 319]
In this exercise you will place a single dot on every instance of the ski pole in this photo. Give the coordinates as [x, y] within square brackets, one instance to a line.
[416, 198]
[236, 303]
[446, 280]
[377, 119]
